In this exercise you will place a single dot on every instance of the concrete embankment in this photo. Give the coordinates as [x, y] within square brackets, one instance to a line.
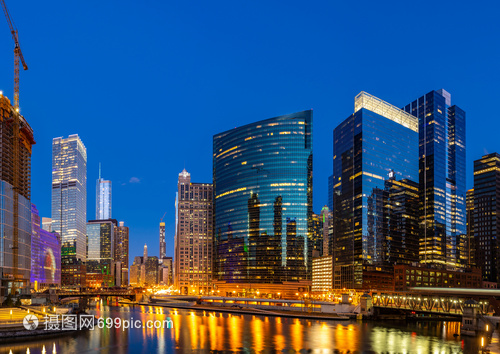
[253, 311]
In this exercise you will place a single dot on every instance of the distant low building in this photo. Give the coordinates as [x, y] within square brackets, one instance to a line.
[407, 276]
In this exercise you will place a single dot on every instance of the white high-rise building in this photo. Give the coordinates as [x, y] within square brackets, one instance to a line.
[103, 198]
[69, 192]
[193, 236]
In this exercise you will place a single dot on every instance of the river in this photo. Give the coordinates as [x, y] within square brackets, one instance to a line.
[206, 330]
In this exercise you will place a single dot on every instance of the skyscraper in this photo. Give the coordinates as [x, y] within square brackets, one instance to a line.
[69, 192]
[151, 267]
[262, 175]
[163, 245]
[326, 220]
[121, 251]
[45, 255]
[471, 244]
[16, 141]
[193, 235]
[100, 251]
[442, 179]
[330, 192]
[487, 215]
[103, 198]
[47, 224]
[166, 271]
[378, 142]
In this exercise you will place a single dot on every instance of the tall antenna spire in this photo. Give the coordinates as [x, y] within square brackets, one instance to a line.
[99, 171]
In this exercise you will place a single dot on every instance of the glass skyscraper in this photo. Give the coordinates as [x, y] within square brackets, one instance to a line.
[69, 192]
[121, 251]
[375, 160]
[101, 247]
[442, 179]
[330, 192]
[103, 198]
[262, 175]
[486, 213]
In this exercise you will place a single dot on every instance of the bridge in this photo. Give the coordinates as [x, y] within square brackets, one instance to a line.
[126, 294]
[438, 301]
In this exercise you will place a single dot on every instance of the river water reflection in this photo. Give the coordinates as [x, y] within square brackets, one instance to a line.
[205, 331]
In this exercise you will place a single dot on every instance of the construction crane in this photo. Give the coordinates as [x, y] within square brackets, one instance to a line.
[18, 54]
[163, 217]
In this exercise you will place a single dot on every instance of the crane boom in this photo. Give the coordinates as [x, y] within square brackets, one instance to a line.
[18, 54]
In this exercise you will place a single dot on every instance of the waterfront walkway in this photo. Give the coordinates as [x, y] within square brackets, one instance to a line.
[252, 311]
[12, 317]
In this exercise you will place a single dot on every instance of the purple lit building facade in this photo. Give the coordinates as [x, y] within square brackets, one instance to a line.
[45, 255]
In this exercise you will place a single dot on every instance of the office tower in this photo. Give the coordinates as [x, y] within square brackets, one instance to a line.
[317, 236]
[45, 255]
[330, 192]
[193, 235]
[143, 265]
[16, 141]
[377, 142]
[442, 179]
[166, 271]
[116, 273]
[100, 251]
[121, 251]
[135, 272]
[397, 216]
[326, 220]
[103, 198]
[471, 245]
[322, 274]
[151, 266]
[47, 224]
[163, 245]
[262, 175]
[486, 215]
[73, 270]
[69, 192]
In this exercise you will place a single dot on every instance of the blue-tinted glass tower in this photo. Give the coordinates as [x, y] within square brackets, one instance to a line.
[442, 179]
[262, 174]
[375, 150]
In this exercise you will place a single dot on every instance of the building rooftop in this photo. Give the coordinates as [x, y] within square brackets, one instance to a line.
[387, 110]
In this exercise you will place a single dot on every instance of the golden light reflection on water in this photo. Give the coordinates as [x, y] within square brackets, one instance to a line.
[297, 340]
[258, 333]
[215, 331]
[235, 333]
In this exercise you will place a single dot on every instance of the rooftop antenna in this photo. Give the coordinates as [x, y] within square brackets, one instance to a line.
[99, 171]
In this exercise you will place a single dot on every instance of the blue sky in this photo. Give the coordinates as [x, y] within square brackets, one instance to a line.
[147, 84]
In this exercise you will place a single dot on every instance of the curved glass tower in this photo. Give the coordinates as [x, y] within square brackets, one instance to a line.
[263, 200]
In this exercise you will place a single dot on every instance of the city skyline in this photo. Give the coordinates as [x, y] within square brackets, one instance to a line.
[326, 89]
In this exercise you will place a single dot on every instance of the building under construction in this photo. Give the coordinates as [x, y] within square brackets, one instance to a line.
[16, 139]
